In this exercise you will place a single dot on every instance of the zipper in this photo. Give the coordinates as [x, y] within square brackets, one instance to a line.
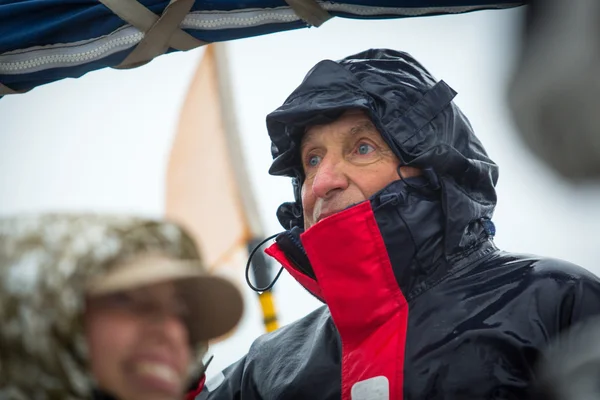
[290, 244]
[47, 57]
[203, 20]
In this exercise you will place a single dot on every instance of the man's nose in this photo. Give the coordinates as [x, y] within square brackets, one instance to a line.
[330, 178]
[168, 324]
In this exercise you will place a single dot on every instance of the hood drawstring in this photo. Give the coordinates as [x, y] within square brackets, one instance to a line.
[252, 253]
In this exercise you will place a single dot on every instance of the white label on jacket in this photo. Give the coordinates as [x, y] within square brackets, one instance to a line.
[377, 388]
[215, 382]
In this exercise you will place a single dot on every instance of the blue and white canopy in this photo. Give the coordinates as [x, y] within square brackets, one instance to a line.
[42, 41]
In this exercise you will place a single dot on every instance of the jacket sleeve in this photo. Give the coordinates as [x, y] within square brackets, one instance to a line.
[581, 301]
[587, 304]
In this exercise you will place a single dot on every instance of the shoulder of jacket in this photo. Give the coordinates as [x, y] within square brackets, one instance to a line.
[562, 270]
[549, 268]
[311, 324]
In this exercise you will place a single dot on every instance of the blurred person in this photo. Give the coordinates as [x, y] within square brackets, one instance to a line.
[571, 364]
[391, 229]
[105, 307]
[554, 91]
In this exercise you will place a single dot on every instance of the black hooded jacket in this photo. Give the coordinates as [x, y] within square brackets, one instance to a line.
[420, 303]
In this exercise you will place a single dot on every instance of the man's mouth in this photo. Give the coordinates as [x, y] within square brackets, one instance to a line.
[157, 370]
[328, 213]
[157, 375]
[324, 215]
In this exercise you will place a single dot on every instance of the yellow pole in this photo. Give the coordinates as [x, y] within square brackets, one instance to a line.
[268, 308]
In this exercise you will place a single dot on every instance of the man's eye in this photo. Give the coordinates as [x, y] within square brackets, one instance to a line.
[118, 300]
[313, 161]
[365, 148]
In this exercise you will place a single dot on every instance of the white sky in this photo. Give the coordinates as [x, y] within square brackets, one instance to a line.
[101, 142]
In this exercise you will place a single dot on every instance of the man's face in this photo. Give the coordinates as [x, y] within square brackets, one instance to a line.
[138, 343]
[345, 162]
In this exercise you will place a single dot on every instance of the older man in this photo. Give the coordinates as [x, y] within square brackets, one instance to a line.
[391, 228]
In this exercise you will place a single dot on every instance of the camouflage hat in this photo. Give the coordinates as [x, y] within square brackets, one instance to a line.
[50, 262]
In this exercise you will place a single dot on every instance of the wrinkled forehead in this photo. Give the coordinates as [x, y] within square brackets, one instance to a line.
[349, 124]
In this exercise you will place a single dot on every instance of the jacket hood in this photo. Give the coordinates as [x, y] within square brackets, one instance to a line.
[417, 118]
[46, 261]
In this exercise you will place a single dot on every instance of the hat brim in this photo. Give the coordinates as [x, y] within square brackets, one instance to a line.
[215, 304]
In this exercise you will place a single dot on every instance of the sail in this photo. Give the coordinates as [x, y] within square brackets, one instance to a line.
[207, 188]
